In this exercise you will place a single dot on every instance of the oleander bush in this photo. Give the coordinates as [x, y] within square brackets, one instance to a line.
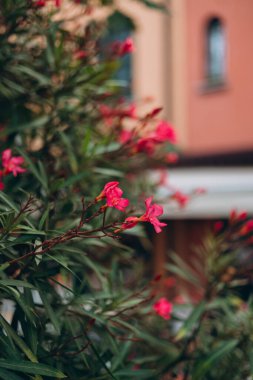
[78, 301]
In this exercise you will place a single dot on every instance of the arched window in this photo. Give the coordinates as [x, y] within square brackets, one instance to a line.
[120, 27]
[215, 51]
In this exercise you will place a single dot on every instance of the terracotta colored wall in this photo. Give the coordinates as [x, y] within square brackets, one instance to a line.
[149, 59]
[221, 120]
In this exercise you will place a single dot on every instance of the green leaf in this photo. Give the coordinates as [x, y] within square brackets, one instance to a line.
[38, 172]
[250, 353]
[8, 375]
[182, 269]
[191, 321]
[19, 342]
[139, 373]
[71, 154]
[4, 266]
[9, 282]
[44, 218]
[42, 79]
[31, 368]
[35, 123]
[108, 172]
[8, 201]
[212, 358]
[122, 353]
[70, 181]
[50, 312]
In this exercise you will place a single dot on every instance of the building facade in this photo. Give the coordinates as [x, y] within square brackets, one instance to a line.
[197, 62]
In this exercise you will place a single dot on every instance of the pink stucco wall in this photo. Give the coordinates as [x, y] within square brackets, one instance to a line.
[221, 120]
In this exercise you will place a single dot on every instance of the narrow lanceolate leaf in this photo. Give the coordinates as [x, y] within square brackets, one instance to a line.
[4, 198]
[137, 374]
[35, 123]
[4, 375]
[191, 321]
[4, 266]
[19, 342]
[250, 353]
[42, 79]
[50, 312]
[37, 170]
[31, 368]
[10, 282]
[213, 357]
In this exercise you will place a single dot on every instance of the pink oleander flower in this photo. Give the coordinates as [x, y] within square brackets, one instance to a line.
[151, 214]
[154, 112]
[125, 136]
[113, 194]
[1, 181]
[169, 282]
[12, 164]
[146, 145]
[180, 198]
[200, 191]
[247, 227]
[236, 216]
[129, 111]
[108, 113]
[108, 188]
[129, 222]
[163, 308]
[164, 132]
[171, 157]
[80, 54]
[218, 226]
[127, 46]
[163, 177]
[117, 202]
[120, 48]
[42, 3]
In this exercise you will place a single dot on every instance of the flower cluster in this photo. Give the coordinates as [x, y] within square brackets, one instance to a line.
[113, 196]
[139, 138]
[239, 226]
[151, 216]
[110, 114]
[163, 308]
[121, 48]
[237, 216]
[112, 193]
[181, 198]
[42, 3]
[143, 140]
[10, 164]
[240, 217]
[162, 133]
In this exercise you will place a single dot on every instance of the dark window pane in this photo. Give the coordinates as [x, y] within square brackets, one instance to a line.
[215, 59]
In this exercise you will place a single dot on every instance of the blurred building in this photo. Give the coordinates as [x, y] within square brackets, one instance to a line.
[197, 61]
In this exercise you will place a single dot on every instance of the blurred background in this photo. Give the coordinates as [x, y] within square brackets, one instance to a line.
[195, 60]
